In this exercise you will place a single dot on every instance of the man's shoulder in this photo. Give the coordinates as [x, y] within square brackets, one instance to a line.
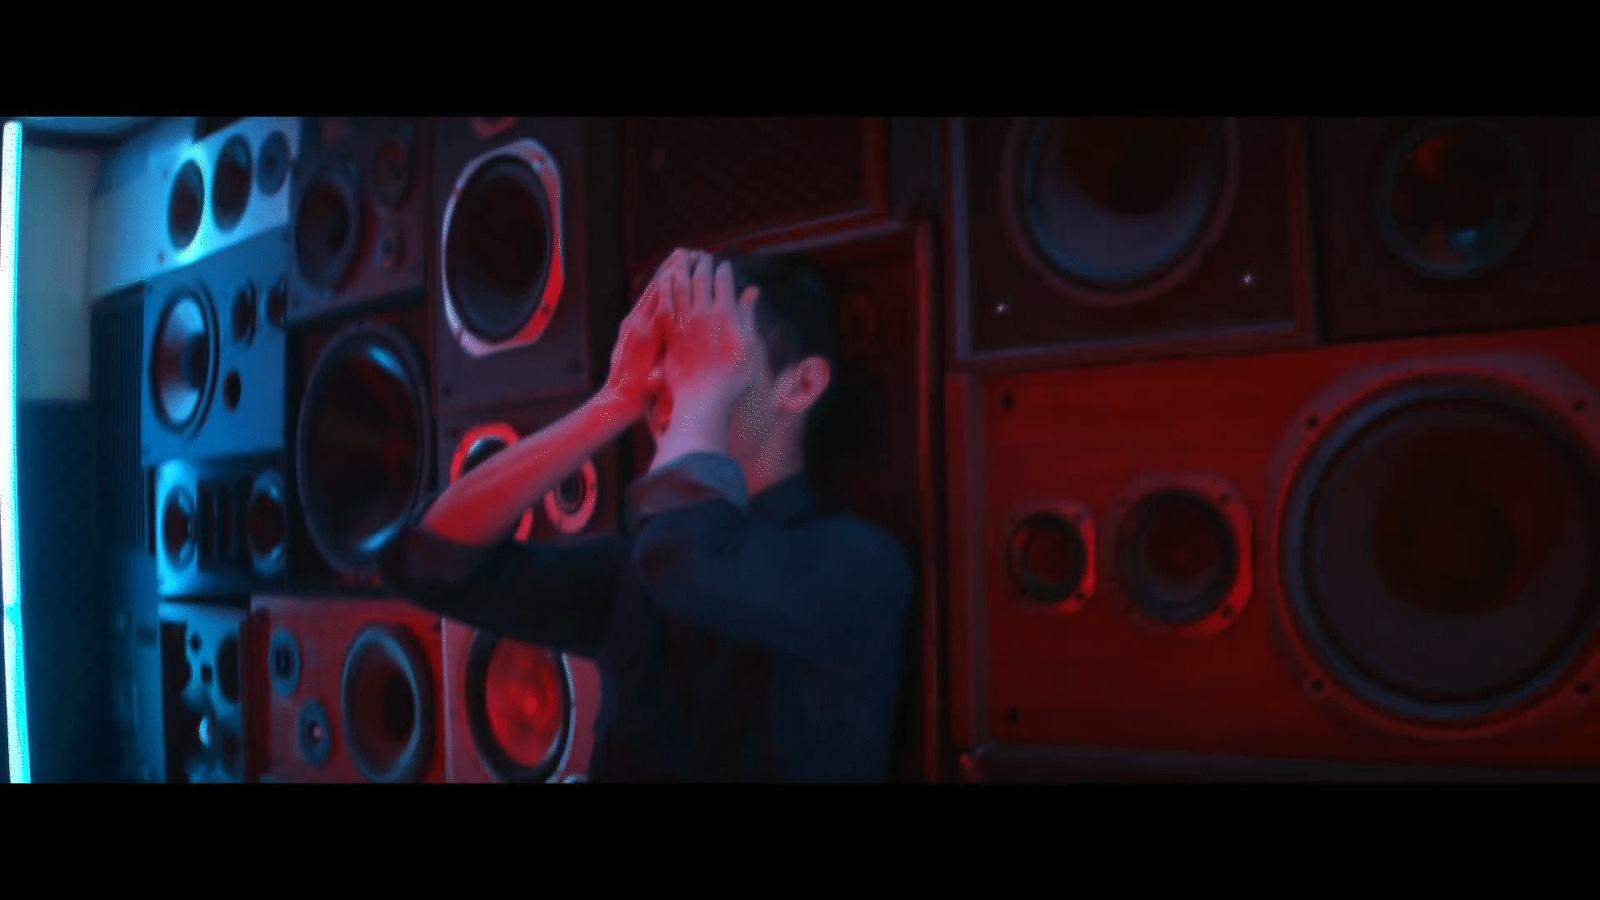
[865, 541]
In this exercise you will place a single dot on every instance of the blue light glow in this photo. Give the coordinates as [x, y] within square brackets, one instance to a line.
[11, 586]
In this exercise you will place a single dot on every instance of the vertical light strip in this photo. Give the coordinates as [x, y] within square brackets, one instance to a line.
[11, 586]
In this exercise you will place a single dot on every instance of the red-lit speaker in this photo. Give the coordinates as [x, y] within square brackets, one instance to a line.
[216, 354]
[360, 214]
[515, 712]
[363, 442]
[206, 655]
[707, 182]
[220, 526]
[1365, 561]
[1089, 240]
[529, 287]
[1428, 226]
[351, 690]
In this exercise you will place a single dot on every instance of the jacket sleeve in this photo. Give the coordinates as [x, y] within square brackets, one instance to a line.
[552, 595]
[830, 590]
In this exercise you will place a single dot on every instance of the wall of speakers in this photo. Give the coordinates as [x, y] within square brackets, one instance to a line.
[1436, 225]
[205, 655]
[181, 192]
[352, 690]
[1379, 555]
[361, 206]
[1089, 240]
[216, 354]
[529, 289]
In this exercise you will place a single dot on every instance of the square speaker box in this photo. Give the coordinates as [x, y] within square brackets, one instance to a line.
[530, 287]
[351, 690]
[206, 704]
[215, 355]
[361, 206]
[1077, 241]
[180, 192]
[1429, 226]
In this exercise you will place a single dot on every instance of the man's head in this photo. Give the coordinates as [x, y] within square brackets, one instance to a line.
[796, 320]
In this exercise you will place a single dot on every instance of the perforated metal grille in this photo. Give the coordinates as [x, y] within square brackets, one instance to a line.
[698, 180]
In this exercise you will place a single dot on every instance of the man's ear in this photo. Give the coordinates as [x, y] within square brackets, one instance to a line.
[803, 382]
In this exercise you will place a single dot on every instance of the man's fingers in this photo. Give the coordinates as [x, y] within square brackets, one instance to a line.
[723, 289]
[701, 279]
[747, 300]
[682, 291]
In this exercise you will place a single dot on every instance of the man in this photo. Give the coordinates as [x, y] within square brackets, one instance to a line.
[741, 635]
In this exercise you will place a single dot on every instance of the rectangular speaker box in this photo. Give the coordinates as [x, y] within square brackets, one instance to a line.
[514, 712]
[530, 286]
[1077, 241]
[350, 690]
[1374, 558]
[215, 355]
[360, 208]
[587, 502]
[206, 704]
[178, 193]
[363, 441]
[705, 182]
[136, 665]
[1428, 226]
[220, 526]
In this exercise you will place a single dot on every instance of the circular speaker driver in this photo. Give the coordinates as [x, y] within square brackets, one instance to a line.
[1456, 199]
[1439, 550]
[499, 249]
[387, 704]
[185, 205]
[1116, 210]
[519, 708]
[327, 226]
[1048, 558]
[266, 524]
[362, 445]
[230, 183]
[1177, 557]
[182, 361]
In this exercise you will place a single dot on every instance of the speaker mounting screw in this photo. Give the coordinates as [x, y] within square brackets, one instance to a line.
[1248, 280]
[1001, 309]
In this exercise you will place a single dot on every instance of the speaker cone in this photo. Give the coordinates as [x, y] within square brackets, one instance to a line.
[1440, 550]
[1049, 557]
[1177, 557]
[362, 447]
[519, 708]
[499, 248]
[185, 205]
[230, 184]
[266, 527]
[327, 226]
[1111, 206]
[1456, 199]
[179, 527]
[387, 700]
[391, 170]
[272, 167]
[182, 361]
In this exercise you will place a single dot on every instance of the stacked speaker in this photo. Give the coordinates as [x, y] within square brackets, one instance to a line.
[328, 320]
[1273, 448]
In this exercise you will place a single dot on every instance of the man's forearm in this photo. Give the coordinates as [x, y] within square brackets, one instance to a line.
[485, 505]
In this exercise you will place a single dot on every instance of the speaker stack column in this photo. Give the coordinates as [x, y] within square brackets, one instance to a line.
[191, 228]
[1218, 512]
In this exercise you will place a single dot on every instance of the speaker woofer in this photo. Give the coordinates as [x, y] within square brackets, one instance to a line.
[272, 167]
[1456, 198]
[266, 524]
[230, 183]
[1114, 211]
[327, 225]
[183, 360]
[476, 448]
[498, 249]
[362, 445]
[388, 705]
[1439, 550]
[519, 708]
[179, 527]
[185, 205]
[391, 168]
[571, 505]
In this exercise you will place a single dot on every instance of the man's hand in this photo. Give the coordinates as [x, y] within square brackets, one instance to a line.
[636, 360]
[711, 349]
